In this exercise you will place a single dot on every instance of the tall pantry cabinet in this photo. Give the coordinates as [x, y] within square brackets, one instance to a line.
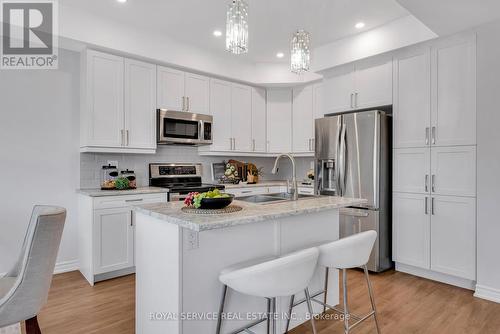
[434, 160]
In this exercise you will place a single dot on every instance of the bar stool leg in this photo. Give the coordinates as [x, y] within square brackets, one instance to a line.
[268, 321]
[309, 307]
[221, 309]
[346, 307]
[372, 299]
[273, 316]
[325, 296]
[290, 310]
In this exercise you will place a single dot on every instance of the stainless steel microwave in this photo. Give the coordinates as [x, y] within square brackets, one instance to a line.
[181, 127]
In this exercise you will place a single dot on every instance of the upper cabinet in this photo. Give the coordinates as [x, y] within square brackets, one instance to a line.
[118, 105]
[302, 122]
[259, 119]
[435, 96]
[364, 85]
[220, 109]
[182, 91]
[279, 120]
[241, 117]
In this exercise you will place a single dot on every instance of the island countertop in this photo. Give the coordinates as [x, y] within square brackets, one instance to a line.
[251, 213]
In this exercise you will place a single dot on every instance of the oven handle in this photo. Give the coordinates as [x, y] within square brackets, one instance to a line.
[176, 197]
[201, 131]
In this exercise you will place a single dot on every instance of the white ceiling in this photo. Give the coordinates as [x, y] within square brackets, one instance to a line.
[271, 21]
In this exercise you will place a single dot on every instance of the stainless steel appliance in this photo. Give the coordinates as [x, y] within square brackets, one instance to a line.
[181, 127]
[179, 178]
[353, 159]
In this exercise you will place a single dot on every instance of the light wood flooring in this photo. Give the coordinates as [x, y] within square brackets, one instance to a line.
[406, 304]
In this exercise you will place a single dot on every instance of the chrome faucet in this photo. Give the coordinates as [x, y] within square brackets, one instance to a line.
[294, 191]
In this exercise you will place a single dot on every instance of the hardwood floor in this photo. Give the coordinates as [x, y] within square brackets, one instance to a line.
[406, 304]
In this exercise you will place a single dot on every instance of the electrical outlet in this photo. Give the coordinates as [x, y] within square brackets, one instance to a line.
[192, 240]
[113, 163]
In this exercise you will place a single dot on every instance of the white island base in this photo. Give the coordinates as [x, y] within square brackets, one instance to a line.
[177, 269]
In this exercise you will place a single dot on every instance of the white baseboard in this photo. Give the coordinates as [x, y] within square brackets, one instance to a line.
[435, 276]
[485, 292]
[61, 267]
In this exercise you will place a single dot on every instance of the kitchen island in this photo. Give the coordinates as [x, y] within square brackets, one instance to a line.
[179, 257]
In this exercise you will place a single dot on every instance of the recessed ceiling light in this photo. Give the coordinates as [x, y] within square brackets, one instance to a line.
[121, 1]
[217, 33]
[280, 55]
[360, 25]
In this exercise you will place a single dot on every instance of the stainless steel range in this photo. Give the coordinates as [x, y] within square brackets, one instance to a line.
[180, 179]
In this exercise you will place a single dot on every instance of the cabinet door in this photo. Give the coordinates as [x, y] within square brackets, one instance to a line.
[170, 88]
[412, 100]
[302, 111]
[259, 119]
[373, 85]
[318, 101]
[453, 170]
[454, 95]
[279, 120]
[140, 104]
[241, 117]
[105, 118]
[411, 229]
[220, 109]
[453, 230]
[113, 240]
[411, 172]
[197, 93]
[339, 90]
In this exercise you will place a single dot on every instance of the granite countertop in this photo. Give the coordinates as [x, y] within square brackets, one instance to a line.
[270, 183]
[251, 213]
[139, 191]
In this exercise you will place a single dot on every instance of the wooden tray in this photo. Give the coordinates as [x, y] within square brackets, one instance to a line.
[228, 209]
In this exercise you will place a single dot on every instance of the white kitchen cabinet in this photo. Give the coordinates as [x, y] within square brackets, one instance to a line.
[411, 229]
[170, 88]
[302, 119]
[140, 104]
[279, 120]
[259, 119]
[318, 101]
[453, 115]
[118, 105]
[106, 231]
[411, 170]
[412, 99]
[102, 114]
[220, 109]
[241, 118]
[453, 171]
[182, 91]
[453, 236]
[256, 190]
[373, 83]
[197, 93]
[113, 240]
[339, 91]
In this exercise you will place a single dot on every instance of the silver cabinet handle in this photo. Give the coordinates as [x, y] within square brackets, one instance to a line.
[426, 206]
[433, 183]
[432, 206]
[433, 135]
[246, 191]
[122, 141]
[253, 144]
[426, 182]
[231, 144]
[234, 144]
[126, 138]
[352, 103]
[355, 100]
[134, 200]
[188, 103]
[183, 103]
[427, 136]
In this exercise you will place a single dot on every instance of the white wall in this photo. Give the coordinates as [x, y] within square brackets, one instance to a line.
[488, 162]
[39, 160]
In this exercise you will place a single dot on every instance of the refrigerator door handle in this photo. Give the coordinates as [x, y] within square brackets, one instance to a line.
[342, 160]
[338, 158]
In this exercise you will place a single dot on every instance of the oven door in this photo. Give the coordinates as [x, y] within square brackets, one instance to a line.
[176, 127]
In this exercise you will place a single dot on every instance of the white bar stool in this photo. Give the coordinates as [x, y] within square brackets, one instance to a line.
[280, 277]
[346, 253]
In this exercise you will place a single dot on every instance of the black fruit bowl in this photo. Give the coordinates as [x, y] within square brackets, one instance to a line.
[216, 203]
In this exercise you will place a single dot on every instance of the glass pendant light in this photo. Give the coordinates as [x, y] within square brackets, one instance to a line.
[237, 27]
[300, 59]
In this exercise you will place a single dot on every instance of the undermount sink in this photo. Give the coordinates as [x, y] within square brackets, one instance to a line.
[274, 198]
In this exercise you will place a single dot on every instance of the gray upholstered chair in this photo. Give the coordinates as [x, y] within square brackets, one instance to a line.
[24, 290]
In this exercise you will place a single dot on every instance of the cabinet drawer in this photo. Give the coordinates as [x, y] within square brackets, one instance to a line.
[306, 191]
[241, 192]
[276, 190]
[127, 200]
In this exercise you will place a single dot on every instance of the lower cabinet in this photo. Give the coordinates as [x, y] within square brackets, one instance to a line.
[251, 191]
[106, 232]
[436, 233]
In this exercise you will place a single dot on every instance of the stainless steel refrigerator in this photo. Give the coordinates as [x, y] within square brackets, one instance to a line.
[353, 159]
